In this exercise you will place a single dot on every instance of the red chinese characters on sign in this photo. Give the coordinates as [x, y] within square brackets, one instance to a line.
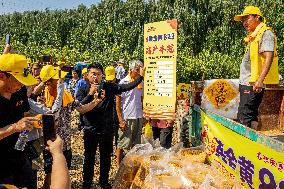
[162, 49]
[271, 161]
[170, 48]
[154, 49]
[148, 50]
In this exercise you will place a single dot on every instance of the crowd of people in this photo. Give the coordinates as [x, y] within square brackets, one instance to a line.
[26, 92]
[110, 105]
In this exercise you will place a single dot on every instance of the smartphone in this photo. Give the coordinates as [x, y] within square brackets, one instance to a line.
[46, 58]
[8, 39]
[100, 89]
[49, 130]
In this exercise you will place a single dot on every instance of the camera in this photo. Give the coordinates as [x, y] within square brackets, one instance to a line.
[46, 58]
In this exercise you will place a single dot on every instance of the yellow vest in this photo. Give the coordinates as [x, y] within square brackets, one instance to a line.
[257, 60]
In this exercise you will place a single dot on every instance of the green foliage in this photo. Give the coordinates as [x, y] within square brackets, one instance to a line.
[211, 65]
[209, 41]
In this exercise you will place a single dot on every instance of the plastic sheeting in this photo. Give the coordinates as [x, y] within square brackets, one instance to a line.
[177, 168]
[221, 96]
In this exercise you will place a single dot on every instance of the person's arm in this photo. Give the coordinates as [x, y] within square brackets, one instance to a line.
[267, 64]
[91, 105]
[7, 49]
[58, 101]
[88, 107]
[37, 108]
[129, 86]
[60, 178]
[82, 97]
[26, 123]
[122, 123]
[77, 87]
[38, 89]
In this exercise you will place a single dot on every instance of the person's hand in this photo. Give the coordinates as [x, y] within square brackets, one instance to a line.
[30, 90]
[97, 99]
[102, 96]
[26, 123]
[93, 89]
[60, 81]
[7, 49]
[38, 79]
[258, 86]
[38, 88]
[123, 125]
[170, 122]
[55, 147]
[41, 99]
[142, 71]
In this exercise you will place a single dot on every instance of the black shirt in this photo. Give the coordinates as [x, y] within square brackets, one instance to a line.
[11, 111]
[101, 118]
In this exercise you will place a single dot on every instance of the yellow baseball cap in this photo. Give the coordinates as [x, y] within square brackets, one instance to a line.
[248, 11]
[110, 73]
[50, 72]
[85, 70]
[17, 65]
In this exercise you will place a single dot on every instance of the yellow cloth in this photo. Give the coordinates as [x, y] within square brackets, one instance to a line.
[140, 86]
[252, 35]
[49, 99]
[258, 60]
[8, 186]
[148, 132]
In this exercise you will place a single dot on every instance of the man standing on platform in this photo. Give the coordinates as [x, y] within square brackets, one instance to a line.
[259, 65]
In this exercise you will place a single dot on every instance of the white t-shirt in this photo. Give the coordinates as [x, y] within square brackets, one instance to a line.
[131, 104]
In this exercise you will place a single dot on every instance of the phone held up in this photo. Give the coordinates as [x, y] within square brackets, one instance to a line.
[49, 129]
[8, 39]
[46, 58]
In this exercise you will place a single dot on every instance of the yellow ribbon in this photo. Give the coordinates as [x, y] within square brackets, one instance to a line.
[249, 38]
[49, 99]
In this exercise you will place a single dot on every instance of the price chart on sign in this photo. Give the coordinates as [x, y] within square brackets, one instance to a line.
[160, 53]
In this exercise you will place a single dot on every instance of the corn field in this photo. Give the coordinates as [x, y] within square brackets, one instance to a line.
[210, 42]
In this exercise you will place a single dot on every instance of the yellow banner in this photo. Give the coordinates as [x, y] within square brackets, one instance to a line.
[253, 164]
[160, 53]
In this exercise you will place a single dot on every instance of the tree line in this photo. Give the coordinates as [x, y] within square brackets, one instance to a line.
[210, 42]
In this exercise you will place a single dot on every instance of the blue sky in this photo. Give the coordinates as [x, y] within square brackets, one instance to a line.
[10, 6]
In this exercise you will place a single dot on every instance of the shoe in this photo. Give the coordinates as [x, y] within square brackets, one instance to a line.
[105, 185]
[87, 186]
